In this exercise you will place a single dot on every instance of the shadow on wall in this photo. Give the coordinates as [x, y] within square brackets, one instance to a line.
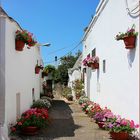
[131, 56]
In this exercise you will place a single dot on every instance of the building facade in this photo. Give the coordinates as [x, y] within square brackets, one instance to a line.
[116, 83]
[18, 82]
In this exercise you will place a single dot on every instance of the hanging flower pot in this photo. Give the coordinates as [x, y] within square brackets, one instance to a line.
[119, 135]
[37, 70]
[129, 42]
[19, 45]
[95, 65]
[30, 130]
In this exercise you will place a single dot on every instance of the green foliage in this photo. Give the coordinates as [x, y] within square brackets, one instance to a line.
[41, 103]
[83, 99]
[66, 91]
[49, 69]
[78, 87]
[66, 62]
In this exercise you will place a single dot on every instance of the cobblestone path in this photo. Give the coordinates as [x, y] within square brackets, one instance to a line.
[68, 122]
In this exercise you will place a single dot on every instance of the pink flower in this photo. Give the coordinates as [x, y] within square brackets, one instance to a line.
[19, 123]
[137, 126]
[132, 125]
[13, 129]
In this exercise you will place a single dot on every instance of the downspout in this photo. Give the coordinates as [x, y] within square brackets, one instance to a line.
[3, 134]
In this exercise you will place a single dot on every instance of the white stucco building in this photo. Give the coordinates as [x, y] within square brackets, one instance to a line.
[116, 83]
[75, 73]
[19, 85]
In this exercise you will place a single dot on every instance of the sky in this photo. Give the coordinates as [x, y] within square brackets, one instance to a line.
[58, 22]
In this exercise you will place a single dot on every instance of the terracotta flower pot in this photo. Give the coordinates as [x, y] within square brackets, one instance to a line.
[19, 45]
[100, 124]
[119, 135]
[37, 70]
[129, 42]
[95, 65]
[30, 130]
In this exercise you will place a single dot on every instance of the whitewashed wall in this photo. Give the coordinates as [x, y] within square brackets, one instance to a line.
[118, 87]
[20, 74]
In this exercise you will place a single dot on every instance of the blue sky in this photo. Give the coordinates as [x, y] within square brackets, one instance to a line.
[59, 22]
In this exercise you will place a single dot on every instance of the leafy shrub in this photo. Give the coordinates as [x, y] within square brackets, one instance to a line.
[66, 91]
[83, 99]
[78, 87]
[41, 103]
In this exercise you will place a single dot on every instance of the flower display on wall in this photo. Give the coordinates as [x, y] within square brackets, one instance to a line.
[26, 37]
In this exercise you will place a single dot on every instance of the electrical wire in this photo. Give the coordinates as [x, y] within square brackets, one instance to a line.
[133, 11]
[65, 54]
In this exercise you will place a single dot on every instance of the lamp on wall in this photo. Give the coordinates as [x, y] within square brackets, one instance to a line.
[46, 44]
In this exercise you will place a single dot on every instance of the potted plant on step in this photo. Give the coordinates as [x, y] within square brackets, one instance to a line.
[129, 37]
[31, 121]
[119, 128]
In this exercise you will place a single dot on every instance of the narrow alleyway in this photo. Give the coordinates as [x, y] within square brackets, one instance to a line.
[68, 122]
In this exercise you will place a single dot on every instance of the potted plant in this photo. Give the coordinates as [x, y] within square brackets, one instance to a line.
[37, 69]
[92, 62]
[41, 103]
[31, 121]
[83, 99]
[119, 128]
[102, 116]
[22, 38]
[129, 37]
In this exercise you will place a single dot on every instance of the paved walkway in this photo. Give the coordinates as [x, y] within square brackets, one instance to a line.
[68, 122]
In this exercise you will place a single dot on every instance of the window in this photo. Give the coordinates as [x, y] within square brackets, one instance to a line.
[18, 105]
[94, 52]
[33, 94]
[104, 66]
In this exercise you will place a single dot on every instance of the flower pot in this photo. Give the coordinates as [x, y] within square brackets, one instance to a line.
[100, 124]
[30, 130]
[37, 70]
[119, 135]
[95, 65]
[19, 45]
[129, 42]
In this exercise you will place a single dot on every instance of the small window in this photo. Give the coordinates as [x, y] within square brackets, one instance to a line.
[94, 52]
[104, 66]
[85, 46]
[84, 70]
[33, 94]
[18, 105]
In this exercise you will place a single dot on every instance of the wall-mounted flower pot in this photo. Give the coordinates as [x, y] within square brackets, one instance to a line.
[119, 135]
[37, 70]
[95, 65]
[19, 45]
[129, 42]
